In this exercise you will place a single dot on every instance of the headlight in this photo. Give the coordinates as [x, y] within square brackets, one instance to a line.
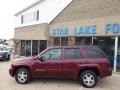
[5, 53]
[12, 65]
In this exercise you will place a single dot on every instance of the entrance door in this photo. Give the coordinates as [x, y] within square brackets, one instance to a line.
[35, 47]
[23, 49]
[28, 48]
[42, 45]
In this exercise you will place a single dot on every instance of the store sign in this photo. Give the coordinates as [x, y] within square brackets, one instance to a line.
[86, 29]
[60, 31]
[115, 28]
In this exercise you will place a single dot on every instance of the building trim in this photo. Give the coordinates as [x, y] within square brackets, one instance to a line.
[60, 12]
[32, 5]
[115, 53]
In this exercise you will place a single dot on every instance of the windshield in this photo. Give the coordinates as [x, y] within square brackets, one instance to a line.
[3, 49]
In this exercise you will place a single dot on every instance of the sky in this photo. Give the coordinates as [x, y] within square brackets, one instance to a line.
[7, 20]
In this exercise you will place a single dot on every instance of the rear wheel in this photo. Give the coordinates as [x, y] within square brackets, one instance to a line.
[88, 78]
[22, 76]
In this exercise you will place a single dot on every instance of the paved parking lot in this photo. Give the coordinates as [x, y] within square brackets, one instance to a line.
[8, 83]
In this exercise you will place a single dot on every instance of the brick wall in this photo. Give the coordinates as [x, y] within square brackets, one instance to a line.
[85, 9]
[33, 32]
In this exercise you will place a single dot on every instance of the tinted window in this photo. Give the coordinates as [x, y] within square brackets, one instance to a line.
[52, 54]
[3, 49]
[95, 53]
[72, 53]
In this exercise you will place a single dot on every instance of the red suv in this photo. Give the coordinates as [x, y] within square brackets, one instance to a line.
[85, 63]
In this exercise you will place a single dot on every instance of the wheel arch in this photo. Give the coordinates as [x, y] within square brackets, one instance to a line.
[26, 67]
[94, 69]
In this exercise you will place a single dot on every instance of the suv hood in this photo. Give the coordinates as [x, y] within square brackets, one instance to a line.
[22, 60]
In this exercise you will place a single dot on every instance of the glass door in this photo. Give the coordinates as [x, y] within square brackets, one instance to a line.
[64, 41]
[42, 45]
[28, 47]
[35, 47]
[23, 50]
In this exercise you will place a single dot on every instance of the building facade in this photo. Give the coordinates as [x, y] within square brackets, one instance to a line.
[32, 25]
[76, 22]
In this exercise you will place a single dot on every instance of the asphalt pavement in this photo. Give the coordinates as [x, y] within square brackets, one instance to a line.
[8, 83]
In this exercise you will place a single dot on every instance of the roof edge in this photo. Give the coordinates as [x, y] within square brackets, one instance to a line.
[31, 25]
[30, 6]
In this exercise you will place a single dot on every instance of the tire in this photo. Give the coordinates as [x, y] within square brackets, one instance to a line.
[22, 76]
[88, 78]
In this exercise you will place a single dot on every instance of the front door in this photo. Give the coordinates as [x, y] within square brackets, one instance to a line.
[51, 63]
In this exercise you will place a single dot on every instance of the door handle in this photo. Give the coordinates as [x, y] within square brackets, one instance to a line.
[82, 62]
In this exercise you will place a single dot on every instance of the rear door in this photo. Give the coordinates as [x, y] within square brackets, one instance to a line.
[72, 57]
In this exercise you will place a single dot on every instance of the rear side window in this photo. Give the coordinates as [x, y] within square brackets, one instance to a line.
[72, 53]
[95, 53]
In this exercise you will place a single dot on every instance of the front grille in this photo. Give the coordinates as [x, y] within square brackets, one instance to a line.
[1, 54]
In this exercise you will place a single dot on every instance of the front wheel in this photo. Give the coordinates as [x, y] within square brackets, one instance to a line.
[88, 78]
[22, 76]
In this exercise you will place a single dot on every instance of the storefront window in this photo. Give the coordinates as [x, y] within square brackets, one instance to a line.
[108, 46]
[118, 56]
[22, 48]
[57, 41]
[28, 47]
[83, 40]
[42, 45]
[35, 47]
[64, 41]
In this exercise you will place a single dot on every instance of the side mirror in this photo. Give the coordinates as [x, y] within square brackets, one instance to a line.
[41, 58]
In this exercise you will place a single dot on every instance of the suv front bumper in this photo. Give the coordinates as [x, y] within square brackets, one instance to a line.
[11, 72]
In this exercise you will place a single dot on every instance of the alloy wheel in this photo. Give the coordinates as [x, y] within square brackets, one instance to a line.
[89, 79]
[22, 77]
